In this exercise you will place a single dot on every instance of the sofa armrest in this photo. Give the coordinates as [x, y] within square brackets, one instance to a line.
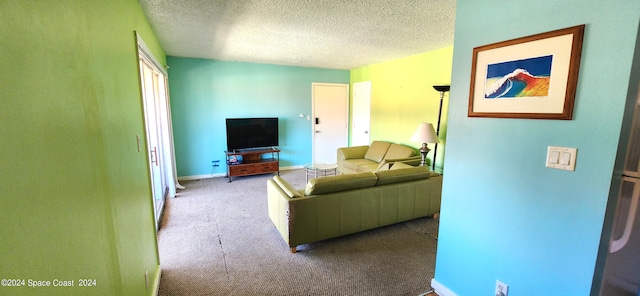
[354, 152]
[278, 206]
[345, 153]
[413, 160]
[294, 218]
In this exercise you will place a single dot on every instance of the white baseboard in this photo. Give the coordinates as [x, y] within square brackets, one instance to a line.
[199, 177]
[295, 167]
[440, 289]
[156, 282]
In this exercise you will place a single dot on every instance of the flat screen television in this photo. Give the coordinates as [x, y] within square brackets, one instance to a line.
[249, 133]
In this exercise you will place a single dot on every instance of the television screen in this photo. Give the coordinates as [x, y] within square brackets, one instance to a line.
[246, 133]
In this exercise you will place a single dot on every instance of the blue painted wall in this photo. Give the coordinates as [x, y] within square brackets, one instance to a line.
[206, 92]
[504, 215]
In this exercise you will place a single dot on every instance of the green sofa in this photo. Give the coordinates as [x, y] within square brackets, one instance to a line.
[373, 157]
[339, 205]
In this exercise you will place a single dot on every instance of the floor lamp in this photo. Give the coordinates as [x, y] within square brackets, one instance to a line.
[442, 89]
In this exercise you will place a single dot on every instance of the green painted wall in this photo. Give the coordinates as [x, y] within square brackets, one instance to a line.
[402, 96]
[76, 198]
[206, 92]
[505, 216]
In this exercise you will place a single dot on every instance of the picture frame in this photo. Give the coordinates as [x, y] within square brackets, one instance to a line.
[531, 77]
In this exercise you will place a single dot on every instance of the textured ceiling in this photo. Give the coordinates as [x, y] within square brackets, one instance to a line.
[335, 34]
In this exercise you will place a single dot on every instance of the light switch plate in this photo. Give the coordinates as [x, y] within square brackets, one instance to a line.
[561, 158]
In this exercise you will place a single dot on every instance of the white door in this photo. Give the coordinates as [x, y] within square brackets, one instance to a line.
[329, 120]
[361, 113]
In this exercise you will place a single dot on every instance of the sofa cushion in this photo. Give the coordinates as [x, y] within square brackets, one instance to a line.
[402, 175]
[377, 150]
[286, 187]
[399, 151]
[372, 167]
[354, 164]
[339, 183]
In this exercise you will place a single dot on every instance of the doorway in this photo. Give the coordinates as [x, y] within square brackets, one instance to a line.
[330, 103]
[361, 113]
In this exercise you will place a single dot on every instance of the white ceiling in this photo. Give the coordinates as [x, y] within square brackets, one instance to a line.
[335, 34]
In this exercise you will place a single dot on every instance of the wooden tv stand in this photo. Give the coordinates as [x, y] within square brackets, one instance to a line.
[254, 162]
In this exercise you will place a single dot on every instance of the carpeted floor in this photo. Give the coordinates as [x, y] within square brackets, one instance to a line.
[216, 239]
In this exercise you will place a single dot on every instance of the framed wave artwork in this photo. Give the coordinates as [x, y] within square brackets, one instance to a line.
[528, 77]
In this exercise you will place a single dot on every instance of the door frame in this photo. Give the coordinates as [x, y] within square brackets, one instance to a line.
[168, 171]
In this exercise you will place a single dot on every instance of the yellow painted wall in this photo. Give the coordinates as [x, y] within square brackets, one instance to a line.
[76, 200]
[402, 96]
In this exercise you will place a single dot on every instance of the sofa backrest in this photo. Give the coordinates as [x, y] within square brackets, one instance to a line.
[377, 150]
[402, 175]
[339, 183]
[399, 151]
[331, 184]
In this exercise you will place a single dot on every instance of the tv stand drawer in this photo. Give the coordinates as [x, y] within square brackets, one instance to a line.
[242, 169]
[253, 168]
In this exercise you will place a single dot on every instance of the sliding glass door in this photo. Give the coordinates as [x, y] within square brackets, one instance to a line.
[159, 138]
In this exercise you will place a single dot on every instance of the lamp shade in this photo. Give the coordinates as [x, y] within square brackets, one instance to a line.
[425, 134]
[442, 88]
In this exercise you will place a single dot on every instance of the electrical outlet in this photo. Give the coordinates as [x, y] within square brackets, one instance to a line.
[501, 289]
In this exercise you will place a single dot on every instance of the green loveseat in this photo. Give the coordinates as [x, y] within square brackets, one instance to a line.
[339, 205]
[373, 157]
